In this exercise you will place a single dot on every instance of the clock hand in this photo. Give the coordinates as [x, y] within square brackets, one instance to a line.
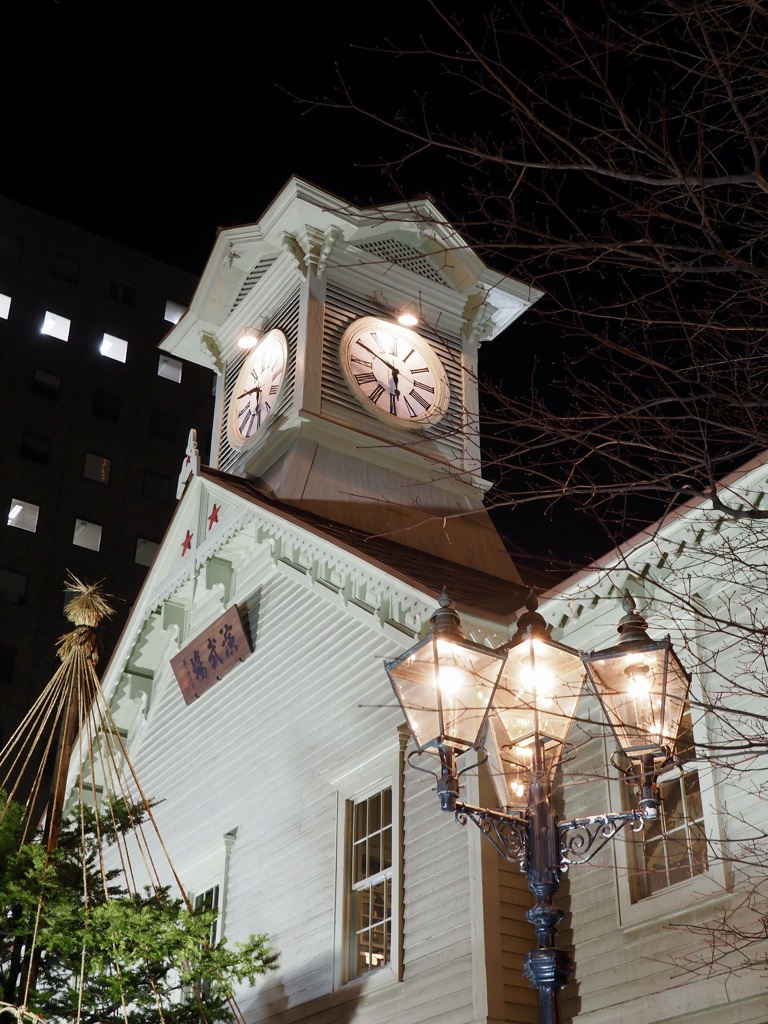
[377, 356]
[246, 393]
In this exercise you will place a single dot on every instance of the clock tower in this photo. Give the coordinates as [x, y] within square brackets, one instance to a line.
[345, 342]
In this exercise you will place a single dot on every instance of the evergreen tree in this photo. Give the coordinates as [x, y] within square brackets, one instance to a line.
[90, 950]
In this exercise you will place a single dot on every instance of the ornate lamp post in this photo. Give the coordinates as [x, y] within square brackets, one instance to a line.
[515, 704]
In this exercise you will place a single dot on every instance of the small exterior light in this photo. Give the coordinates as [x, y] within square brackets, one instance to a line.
[534, 704]
[248, 338]
[445, 684]
[642, 687]
[407, 317]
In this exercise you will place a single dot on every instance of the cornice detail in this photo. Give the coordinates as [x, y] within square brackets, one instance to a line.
[311, 247]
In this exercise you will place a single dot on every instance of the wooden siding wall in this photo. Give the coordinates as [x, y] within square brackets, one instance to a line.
[255, 753]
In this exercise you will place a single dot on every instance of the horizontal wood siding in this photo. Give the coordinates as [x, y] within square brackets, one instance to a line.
[256, 753]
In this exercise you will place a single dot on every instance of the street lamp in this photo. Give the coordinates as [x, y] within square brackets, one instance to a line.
[514, 705]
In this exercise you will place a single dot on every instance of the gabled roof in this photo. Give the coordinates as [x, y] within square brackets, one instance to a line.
[474, 592]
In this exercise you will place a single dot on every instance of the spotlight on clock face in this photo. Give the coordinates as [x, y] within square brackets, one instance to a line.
[248, 339]
[407, 317]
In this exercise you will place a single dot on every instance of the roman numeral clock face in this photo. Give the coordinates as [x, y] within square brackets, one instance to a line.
[256, 389]
[394, 373]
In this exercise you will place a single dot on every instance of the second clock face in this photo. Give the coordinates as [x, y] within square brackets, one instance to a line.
[256, 388]
[395, 372]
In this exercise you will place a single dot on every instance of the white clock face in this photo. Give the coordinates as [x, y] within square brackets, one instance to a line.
[257, 388]
[394, 372]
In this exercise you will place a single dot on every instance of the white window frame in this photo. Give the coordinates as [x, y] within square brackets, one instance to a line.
[208, 871]
[712, 885]
[383, 770]
[5, 306]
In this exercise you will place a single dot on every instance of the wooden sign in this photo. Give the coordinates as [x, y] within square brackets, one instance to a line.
[211, 654]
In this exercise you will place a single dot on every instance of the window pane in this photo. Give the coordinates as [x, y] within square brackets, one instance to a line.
[66, 269]
[97, 467]
[46, 384]
[114, 348]
[370, 883]
[163, 425]
[673, 848]
[13, 586]
[87, 535]
[156, 487]
[122, 291]
[10, 247]
[7, 663]
[35, 447]
[174, 311]
[23, 515]
[145, 551]
[106, 405]
[5, 306]
[56, 326]
[169, 368]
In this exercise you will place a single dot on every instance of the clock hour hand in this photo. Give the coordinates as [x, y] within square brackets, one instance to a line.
[246, 393]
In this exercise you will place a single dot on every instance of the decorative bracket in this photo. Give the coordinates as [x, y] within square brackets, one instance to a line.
[579, 840]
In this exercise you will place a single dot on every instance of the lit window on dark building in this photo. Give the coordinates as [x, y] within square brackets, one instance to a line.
[97, 467]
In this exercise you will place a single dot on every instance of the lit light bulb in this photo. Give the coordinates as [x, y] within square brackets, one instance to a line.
[639, 680]
[407, 318]
[248, 338]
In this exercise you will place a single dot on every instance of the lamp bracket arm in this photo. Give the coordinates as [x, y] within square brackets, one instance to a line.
[427, 771]
[507, 832]
[582, 838]
[482, 757]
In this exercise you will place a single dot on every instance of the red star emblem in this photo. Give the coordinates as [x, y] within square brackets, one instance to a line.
[186, 544]
[214, 516]
[187, 460]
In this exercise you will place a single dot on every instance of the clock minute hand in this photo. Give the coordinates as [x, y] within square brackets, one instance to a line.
[377, 356]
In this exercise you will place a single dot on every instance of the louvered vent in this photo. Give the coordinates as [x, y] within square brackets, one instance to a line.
[341, 310]
[285, 320]
[253, 278]
[391, 250]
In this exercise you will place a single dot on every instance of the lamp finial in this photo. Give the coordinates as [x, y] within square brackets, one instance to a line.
[445, 619]
[632, 627]
[531, 620]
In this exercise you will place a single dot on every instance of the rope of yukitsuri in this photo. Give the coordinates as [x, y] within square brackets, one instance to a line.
[20, 1014]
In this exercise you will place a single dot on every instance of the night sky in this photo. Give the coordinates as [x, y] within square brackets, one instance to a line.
[154, 134]
[155, 130]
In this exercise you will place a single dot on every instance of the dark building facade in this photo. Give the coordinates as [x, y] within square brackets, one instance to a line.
[94, 425]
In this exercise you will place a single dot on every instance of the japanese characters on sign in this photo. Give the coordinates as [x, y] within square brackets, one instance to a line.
[211, 654]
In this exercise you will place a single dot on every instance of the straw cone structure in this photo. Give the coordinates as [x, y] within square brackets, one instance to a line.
[71, 724]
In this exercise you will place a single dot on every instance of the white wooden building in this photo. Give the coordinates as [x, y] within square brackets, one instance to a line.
[343, 493]
[670, 925]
